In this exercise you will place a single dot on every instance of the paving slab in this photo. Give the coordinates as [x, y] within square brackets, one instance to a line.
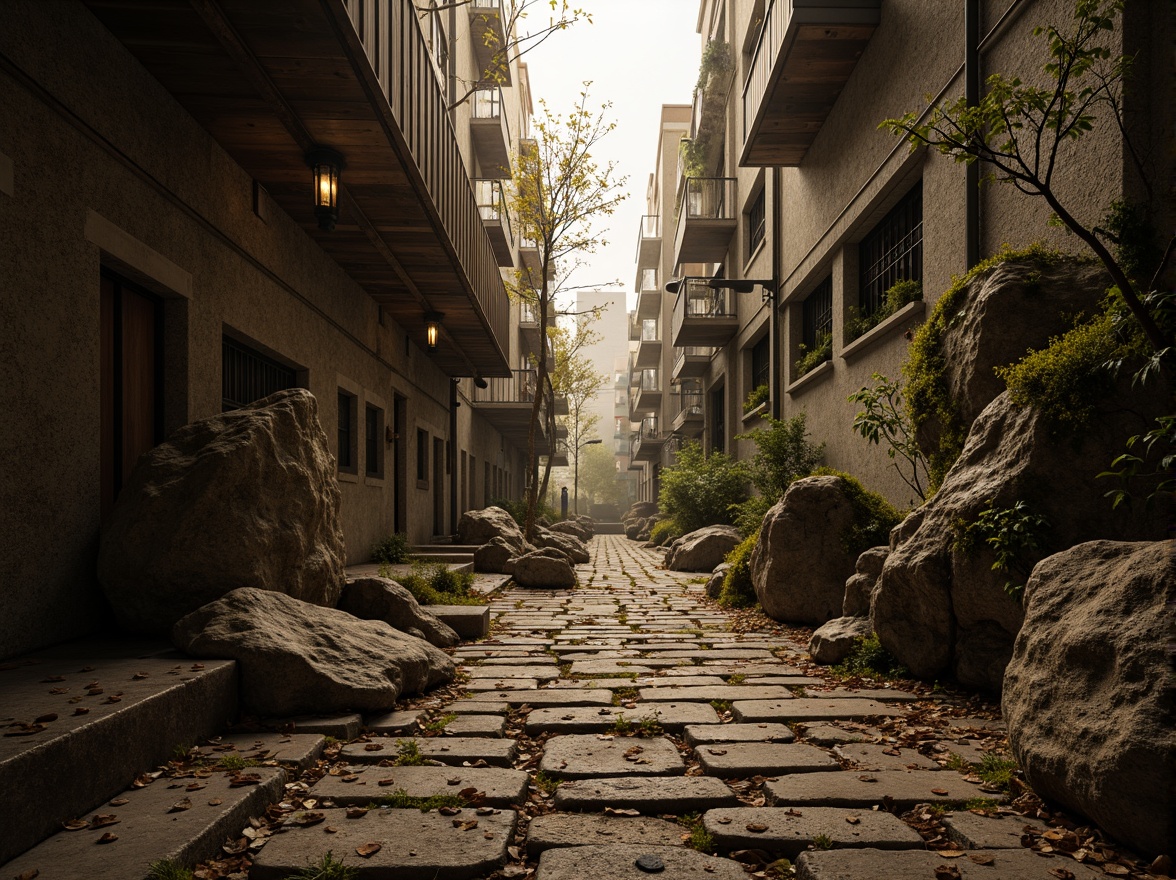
[590, 683]
[521, 660]
[658, 794]
[610, 667]
[291, 749]
[481, 685]
[737, 760]
[413, 845]
[882, 695]
[618, 862]
[852, 788]
[454, 750]
[585, 829]
[721, 654]
[506, 673]
[726, 692]
[588, 719]
[477, 705]
[347, 726]
[703, 734]
[687, 679]
[974, 831]
[476, 725]
[810, 709]
[361, 785]
[156, 822]
[470, 622]
[584, 756]
[778, 829]
[883, 756]
[552, 697]
[872, 864]
[831, 735]
[400, 721]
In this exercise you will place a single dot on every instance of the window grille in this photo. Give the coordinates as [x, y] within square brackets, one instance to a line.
[761, 363]
[817, 315]
[892, 251]
[248, 375]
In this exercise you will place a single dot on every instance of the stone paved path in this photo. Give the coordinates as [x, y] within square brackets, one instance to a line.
[591, 744]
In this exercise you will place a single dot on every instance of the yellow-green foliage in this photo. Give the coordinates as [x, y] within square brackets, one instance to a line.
[1065, 379]
[738, 590]
[664, 531]
[873, 515]
[926, 386]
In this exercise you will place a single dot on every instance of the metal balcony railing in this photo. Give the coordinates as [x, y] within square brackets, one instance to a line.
[520, 387]
[708, 198]
[686, 401]
[492, 203]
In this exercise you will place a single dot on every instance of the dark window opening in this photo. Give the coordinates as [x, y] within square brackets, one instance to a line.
[817, 316]
[892, 251]
[248, 375]
[373, 426]
[761, 363]
[346, 449]
[756, 223]
[422, 456]
[718, 408]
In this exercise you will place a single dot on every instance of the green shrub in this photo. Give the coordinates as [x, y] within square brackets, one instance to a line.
[738, 590]
[664, 531]
[702, 490]
[783, 455]
[1067, 378]
[869, 659]
[900, 295]
[811, 358]
[759, 394]
[873, 515]
[1014, 534]
[885, 418]
[518, 510]
[393, 550]
[927, 395]
[167, 869]
[749, 514]
[437, 584]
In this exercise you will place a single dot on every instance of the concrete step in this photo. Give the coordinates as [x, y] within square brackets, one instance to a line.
[82, 720]
[609, 528]
[471, 622]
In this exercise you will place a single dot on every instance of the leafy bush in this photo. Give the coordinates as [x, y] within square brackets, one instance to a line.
[1014, 534]
[812, 358]
[738, 590]
[1067, 378]
[749, 515]
[869, 659]
[783, 455]
[702, 490]
[926, 392]
[873, 515]
[885, 418]
[393, 550]
[756, 396]
[900, 295]
[518, 510]
[437, 584]
[664, 531]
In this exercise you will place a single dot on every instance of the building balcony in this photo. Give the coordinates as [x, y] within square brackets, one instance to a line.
[649, 242]
[702, 315]
[707, 212]
[357, 77]
[529, 331]
[806, 52]
[506, 404]
[649, 294]
[490, 132]
[488, 40]
[647, 392]
[691, 361]
[649, 344]
[686, 406]
[531, 262]
[492, 206]
[646, 444]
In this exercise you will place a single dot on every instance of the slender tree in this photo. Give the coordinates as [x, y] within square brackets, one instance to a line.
[560, 190]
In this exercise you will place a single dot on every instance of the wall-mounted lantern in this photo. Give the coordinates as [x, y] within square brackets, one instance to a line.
[432, 329]
[325, 164]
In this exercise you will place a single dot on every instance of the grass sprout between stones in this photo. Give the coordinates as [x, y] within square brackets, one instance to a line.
[168, 869]
[326, 868]
[408, 754]
[697, 837]
[402, 800]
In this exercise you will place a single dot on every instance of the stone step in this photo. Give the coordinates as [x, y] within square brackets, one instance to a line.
[703, 734]
[589, 756]
[855, 788]
[362, 785]
[539, 699]
[411, 845]
[146, 701]
[470, 622]
[162, 820]
[874, 864]
[811, 709]
[788, 831]
[620, 862]
[556, 830]
[741, 760]
[295, 750]
[726, 692]
[587, 719]
[655, 795]
[453, 750]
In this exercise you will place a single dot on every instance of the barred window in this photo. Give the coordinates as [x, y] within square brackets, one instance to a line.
[248, 375]
[892, 251]
[346, 448]
[817, 315]
[761, 363]
[756, 217]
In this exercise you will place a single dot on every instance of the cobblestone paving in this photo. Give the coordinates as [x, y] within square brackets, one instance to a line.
[590, 744]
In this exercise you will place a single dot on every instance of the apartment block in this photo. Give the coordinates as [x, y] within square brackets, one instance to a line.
[779, 215]
[165, 259]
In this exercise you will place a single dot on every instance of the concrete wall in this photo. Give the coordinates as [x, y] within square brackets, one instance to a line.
[108, 170]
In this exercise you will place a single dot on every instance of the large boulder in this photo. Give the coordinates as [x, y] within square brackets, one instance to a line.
[860, 585]
[297, 658]
[547, 568]
[575, 528]
[714, 584]
[482, 526]
[1044, 293]
[572, 546]
[640, 510]
[247, 498]
[492, 556]
[801, 563]
[703, 549]
[832, 642]
[377, 598]
[633, 528]
[1088, 693]
[939, 606]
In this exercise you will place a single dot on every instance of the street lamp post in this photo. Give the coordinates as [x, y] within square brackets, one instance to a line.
[576, 477]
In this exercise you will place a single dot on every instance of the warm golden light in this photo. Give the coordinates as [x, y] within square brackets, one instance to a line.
[433, 329]
[325, 164]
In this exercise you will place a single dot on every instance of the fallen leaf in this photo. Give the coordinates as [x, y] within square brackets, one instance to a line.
[791, 812]
[215, 802]
[107, 838]
[716, 751]
[242, 779]
[852, 820]
[75, 824]
[45, 719]
[30, 874]
[449, 811]
[100, 821]
[487, 811]
[94, 691]
[138, 676]
[947, 872]
[613, 811]
[981, 859]
[373, 747]
[1116, 870]
[1062, 874]
[756, 828]
[356, 812]
[331, 829]
[181, 805]
[868, 778]
[951, 853]
[308, 819]
[81, 710]
[942, 792]
[386, 782]
[368, 850]
[53, 678]
[724, 820]
[143, 780]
